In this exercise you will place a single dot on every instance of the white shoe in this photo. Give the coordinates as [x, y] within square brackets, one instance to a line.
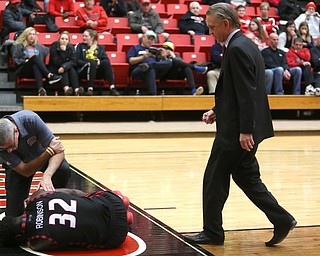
[199, 91]
[317, 91]
[310, 90]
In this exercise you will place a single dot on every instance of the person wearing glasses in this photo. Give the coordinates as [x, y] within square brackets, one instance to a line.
[27, 145]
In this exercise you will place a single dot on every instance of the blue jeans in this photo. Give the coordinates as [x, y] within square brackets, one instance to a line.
[274, 76]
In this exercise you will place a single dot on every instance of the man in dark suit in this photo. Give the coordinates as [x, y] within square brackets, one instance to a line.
[243, 121]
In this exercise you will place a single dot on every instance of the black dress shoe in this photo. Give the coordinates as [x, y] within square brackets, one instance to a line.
[202, 238]
[280, 233]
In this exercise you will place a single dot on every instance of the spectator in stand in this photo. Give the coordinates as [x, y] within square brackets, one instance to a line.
[63, 8]
[92, 16]
[268, 23]
[311, 17]
[63, 61]
[133, 6]
[236, 3]
[144, 65]
[12, 18]
[315, 64]
[243, 18]
[261, 35]
[297, 56]
[277, 69]
[180, 69]
[303, 33]
[289, 9]
[191, 22]
[28, 57]
[93, 62]
[287, 36]
[214, 73]
[145, 19]
[114, 8]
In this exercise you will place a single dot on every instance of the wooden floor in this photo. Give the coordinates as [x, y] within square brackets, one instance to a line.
[163, 176]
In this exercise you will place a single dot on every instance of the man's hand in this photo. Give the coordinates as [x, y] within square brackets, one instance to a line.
[144, 29]
[246, 141]
[286, 75]
[209, 117]
[46, 183]
[56, 145]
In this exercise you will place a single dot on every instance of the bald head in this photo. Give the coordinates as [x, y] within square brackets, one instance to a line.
[273, 41]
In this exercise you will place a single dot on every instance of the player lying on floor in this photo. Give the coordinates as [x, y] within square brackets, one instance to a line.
[69, 218]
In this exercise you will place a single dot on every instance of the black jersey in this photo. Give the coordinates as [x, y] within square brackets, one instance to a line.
[96, 220]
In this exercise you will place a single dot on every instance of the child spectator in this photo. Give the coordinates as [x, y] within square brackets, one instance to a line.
[243, 18]
[303, 33]
[268, 23]
[287, 36]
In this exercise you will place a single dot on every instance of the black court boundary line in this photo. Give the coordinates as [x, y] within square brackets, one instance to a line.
[149, 217]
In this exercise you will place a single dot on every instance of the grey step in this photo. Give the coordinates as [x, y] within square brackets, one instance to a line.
[7, 98]
[11, 108]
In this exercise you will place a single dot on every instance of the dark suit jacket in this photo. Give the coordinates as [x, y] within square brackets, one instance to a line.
[241, 102]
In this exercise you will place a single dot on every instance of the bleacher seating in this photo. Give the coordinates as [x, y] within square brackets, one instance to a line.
[107, 40]
[188, 57]
[160, 9]
[170, 25]
[203, 43]
[125, 41]
[251, 11]
[120, 68]
[182, 43]
[177, 10]
[68, 24]
[47, 38]
[118, 25]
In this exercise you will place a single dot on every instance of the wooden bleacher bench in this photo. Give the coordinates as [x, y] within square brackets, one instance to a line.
[154, 103]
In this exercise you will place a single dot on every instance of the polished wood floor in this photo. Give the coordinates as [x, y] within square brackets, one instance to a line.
[163, 176]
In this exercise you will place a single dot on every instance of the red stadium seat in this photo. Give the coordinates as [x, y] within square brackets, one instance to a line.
[120, 67]
[118, 25]
[182, 43]
[47, 38]
[68, 24]
[177, 10]
[76, 38]
[107, 40]
[125, 41]
[188, 57]
[160, 9]
[203, 43]
[170, 26]
[251, 11]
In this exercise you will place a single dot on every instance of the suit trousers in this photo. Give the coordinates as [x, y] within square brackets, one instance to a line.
[244, 168]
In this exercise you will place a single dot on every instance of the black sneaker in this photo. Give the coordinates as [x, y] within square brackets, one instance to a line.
[114, 92]
[54, 78]
[80, 91]
[89, 92]
[69, 91]
[42, 92]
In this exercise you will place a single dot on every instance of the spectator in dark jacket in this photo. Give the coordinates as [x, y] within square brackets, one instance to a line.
[63, 61]
[12, 18]
[289, 9]
[133, 6]
[315, 64]
[114, 8]
[191, 22]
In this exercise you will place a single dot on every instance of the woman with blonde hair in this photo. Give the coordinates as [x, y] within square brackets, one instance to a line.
[304, 34]
[63, 61]
[28, 57]
[93, 62]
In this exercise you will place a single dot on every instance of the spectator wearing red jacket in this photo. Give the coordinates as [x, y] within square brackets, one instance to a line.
[64, 8]
[243, 18]
[297, 56]
[92, 16]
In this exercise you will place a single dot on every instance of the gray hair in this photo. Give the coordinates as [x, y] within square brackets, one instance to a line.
[224, 11]
[6, 131]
